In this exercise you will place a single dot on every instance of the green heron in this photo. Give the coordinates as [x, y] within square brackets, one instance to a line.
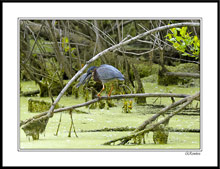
[103, 74]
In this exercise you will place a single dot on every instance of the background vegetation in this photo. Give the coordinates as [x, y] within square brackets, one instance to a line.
[53, 51]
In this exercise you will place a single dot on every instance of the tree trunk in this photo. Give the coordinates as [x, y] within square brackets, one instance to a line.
[140, 88]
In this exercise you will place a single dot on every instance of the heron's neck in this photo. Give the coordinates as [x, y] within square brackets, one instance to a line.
[95, 76]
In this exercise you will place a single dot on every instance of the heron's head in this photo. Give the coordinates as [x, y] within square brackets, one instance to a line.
[91, 69]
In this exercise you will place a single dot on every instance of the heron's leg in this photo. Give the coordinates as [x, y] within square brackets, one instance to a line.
[103, 88]
[110, 92]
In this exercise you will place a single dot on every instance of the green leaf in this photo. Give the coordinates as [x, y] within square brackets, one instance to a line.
[72, 49]
[175, 33]
[198, 43]
[169, 35]
[66, 49]
[173, 29]
[195, 38]
[176, 45]
[188, 41]
[183, 31]
[179, 38]
[66, 40]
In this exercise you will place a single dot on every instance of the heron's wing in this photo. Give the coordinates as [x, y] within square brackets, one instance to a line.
[82, 80]
[107, 72]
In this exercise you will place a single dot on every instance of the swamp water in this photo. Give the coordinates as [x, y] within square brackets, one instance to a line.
[110, 118]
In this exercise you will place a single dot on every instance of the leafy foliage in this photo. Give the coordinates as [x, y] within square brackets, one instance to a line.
[66, 46]
[183, 42]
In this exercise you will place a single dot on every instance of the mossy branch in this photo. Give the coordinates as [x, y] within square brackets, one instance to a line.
[105, 98]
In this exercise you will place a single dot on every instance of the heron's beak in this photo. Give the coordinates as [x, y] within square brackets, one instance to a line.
[88, 77]
[82, 80]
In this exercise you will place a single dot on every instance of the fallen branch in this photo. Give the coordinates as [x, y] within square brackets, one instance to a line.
[170, 129]
[183, 74]
[111, 129]
[125, 139]
[30, 93]
[161, 112]
[106, 98]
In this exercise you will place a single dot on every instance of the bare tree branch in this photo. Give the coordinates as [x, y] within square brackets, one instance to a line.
[109, 98]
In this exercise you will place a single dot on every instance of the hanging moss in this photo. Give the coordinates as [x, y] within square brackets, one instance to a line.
[160, 135]
[35, 128]
[110, 103]
[93, 106]
[101, 104]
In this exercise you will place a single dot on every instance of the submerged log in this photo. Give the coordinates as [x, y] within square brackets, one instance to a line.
[30, 93]
[183, 74]
[127, 128]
